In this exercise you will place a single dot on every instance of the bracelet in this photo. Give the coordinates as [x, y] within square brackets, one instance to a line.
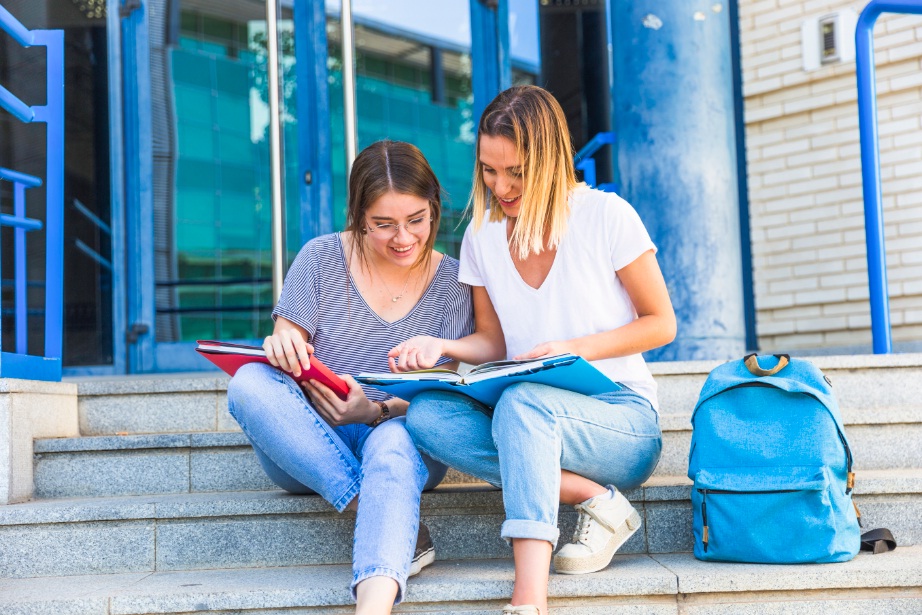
[385, 414]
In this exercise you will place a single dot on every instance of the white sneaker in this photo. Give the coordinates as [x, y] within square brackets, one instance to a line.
[605, 523]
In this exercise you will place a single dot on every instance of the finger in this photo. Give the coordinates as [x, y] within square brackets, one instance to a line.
[413, 359]
[303, 350]
[291, 353]
[534, 353]
[395, 351]
[392, 364]
[321, 404]
[279, 350]
[270, 351]
[403, 357]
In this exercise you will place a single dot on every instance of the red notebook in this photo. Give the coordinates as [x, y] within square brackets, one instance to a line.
[230, 357]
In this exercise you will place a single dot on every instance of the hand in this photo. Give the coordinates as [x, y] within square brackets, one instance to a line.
[420, 352]
[286, 349]
[548, 349]
[336, 412]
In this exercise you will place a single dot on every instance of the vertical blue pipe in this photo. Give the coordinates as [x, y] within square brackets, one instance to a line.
[117, 164]
[490, 53]
[314, 136]
[673, 111]
[19, 263]
[879, 294]
[139, 212]
[53, 115]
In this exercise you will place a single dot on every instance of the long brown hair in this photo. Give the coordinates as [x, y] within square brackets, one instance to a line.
[531, 118]
[391, 166]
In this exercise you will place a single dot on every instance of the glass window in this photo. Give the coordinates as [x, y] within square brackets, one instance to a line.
[411, 87]
[214, 277]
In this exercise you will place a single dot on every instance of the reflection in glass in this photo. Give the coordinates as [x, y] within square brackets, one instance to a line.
[213, 262]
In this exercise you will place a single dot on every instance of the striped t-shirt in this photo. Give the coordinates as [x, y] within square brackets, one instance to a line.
[348, 336]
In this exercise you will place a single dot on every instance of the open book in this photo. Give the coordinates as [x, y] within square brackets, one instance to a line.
[486, 382]
[230, 358]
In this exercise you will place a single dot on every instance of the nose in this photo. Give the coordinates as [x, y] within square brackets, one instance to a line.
[502, 186]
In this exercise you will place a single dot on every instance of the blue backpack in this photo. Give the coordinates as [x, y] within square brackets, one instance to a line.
[771, 465]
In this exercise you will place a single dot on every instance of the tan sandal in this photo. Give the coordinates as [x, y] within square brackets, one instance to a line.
[522, 609]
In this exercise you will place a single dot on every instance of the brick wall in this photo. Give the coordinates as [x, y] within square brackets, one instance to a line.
[806, 208]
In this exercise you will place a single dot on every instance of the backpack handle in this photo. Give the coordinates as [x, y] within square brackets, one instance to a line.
[752, 364]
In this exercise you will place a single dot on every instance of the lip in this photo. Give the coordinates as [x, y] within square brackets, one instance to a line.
[405, 253]
[507, 203]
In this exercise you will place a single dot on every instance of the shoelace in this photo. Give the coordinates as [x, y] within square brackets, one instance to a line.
[586, 516]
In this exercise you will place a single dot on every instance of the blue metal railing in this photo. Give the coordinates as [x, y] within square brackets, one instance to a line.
[18, 364]
[585, 162]
[870, 165]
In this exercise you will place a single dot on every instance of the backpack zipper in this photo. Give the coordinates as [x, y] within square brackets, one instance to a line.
[705, 531]
[850, 476]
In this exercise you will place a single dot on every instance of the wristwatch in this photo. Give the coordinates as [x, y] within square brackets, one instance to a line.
[385, 414]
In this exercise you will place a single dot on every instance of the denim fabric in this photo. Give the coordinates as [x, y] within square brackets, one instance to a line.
[302, 453]
[534, 432]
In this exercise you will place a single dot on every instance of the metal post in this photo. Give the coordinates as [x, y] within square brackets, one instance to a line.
[879, 297]
[349, 118]
[275, 150]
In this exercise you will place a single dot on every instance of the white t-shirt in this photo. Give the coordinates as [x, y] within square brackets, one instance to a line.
[581, 295]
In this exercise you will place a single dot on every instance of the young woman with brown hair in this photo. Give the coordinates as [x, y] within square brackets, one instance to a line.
[350, 297]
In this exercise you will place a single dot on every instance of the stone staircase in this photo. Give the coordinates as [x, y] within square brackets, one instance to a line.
[160, 507]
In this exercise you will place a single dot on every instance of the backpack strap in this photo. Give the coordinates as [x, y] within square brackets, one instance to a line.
[878, 541]
[752, 364]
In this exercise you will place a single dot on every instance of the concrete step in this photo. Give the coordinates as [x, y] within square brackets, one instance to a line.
[884, 438]
[246, 529]
[650, 584]
[103, 466]
[868, 387]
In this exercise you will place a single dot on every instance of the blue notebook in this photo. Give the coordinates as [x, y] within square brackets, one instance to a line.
[486, 382]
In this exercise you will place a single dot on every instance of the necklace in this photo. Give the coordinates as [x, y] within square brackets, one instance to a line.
[394, 298]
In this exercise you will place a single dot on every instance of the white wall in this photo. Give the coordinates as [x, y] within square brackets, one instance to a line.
[809, 266]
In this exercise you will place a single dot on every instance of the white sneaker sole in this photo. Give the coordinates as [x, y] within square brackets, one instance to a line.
[597, 561]
[421, 562]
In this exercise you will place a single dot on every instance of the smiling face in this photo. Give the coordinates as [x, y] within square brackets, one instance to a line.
[397, 228]
[501, 170]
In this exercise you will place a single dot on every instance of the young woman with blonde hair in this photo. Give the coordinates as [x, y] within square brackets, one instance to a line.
[350, 297]
[556, 267]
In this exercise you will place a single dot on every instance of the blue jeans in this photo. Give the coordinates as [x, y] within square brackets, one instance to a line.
[534, 432]
[302, 453]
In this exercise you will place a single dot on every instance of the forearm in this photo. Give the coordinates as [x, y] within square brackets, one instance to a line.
[643, 334]
[478, 347]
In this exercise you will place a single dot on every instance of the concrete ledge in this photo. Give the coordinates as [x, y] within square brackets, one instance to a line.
[30, 409]
[657, 585]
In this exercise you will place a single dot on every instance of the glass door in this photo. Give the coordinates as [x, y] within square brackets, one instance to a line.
[209, 241]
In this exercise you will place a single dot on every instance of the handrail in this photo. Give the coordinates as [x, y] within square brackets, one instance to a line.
[19, 109]
[584, 160]
[11, 26]
[20, 364]
[19, 178]
[870, 165]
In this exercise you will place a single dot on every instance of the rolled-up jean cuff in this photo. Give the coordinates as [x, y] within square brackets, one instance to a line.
[344, 499]
[379, 571]
[523, 528]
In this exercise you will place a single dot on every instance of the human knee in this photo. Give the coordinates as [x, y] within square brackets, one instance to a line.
[247, 390]
[426, 417]
[390, 445]
[522, 401]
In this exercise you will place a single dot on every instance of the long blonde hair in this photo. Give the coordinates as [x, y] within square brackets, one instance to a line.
[534, 122]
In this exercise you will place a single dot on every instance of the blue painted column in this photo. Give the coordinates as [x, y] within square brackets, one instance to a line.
[673, 111]
[314, 136]
[490, 58]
